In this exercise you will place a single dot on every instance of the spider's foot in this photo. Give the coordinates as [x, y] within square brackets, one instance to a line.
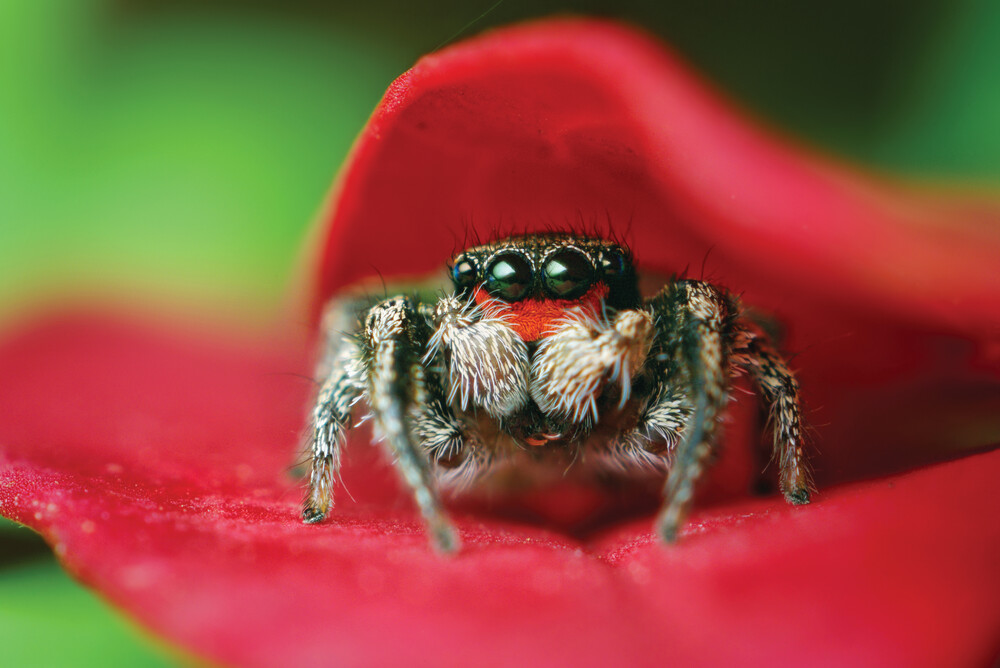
[668, 525]
[444, 538]
[312, 515]
[667, 531]
[796, 486]
[798, 497]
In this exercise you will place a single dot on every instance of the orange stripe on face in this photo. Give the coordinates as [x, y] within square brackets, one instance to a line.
[534, 319]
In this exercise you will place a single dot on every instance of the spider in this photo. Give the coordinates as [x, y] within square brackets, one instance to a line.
[546, 352]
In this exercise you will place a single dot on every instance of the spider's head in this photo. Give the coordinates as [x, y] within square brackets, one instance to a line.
[537, 278]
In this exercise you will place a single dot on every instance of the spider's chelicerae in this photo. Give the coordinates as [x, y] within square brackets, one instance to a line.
[545, 352]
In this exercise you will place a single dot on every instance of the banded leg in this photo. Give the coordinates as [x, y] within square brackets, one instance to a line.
[467, 339]
[697, 321]
[342, 374]
[455, 445]
[394, 339]
[781, 391]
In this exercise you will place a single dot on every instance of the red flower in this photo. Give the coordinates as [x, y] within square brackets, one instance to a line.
[156, 465]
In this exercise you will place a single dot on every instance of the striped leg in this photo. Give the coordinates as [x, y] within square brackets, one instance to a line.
[340, 367]
[394, 340]
[695, 318]
[781, 391]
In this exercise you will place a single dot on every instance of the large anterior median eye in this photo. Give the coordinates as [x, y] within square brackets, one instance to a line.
[568, 274]
[508, 276]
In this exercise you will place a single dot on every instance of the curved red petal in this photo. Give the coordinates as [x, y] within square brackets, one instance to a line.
[156, 466]
[585, 123]
[891, 295]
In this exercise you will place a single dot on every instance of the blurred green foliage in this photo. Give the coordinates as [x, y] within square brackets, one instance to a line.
[178, 152]
[48, 620]
[154, 148]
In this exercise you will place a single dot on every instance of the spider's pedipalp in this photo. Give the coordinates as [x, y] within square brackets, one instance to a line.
[487, 362]
[573, 365]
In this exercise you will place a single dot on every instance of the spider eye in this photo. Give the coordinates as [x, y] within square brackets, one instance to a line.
[613, 263]
[463, 274]
[568, 274]
[508, 276]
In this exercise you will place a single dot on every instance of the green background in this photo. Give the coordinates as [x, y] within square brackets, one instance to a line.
[175, 152]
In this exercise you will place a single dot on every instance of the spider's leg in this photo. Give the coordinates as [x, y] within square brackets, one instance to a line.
[342, 374]
[694, 319]
[433, 423]
[781, 391]
[455, 445]
[394, 340]
[467, 350]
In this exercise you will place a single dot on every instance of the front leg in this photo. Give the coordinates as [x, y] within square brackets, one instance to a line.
[395, 337]
[694, 323]
[573, 366]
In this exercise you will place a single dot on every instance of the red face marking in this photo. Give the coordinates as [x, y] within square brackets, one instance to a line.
[534, 319]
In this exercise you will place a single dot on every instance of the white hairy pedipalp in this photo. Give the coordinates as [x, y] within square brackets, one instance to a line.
[572, 365]
[487, 361]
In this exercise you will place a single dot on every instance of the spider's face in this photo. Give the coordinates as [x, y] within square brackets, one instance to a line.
[539, 277]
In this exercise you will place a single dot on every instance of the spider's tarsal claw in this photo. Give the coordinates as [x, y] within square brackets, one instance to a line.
[312, 516]
[677, 497]
[444, 538]
[798, 497]
[668, 528]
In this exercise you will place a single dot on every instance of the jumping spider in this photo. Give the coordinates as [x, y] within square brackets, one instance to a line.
[546, 351]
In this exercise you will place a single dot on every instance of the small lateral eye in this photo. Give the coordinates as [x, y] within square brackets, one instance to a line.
[613, 263]
[568, 274]
[463, 274]
[508, 276]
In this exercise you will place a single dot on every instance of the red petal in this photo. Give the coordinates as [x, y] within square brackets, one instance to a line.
[156, 465]
[579, 123]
